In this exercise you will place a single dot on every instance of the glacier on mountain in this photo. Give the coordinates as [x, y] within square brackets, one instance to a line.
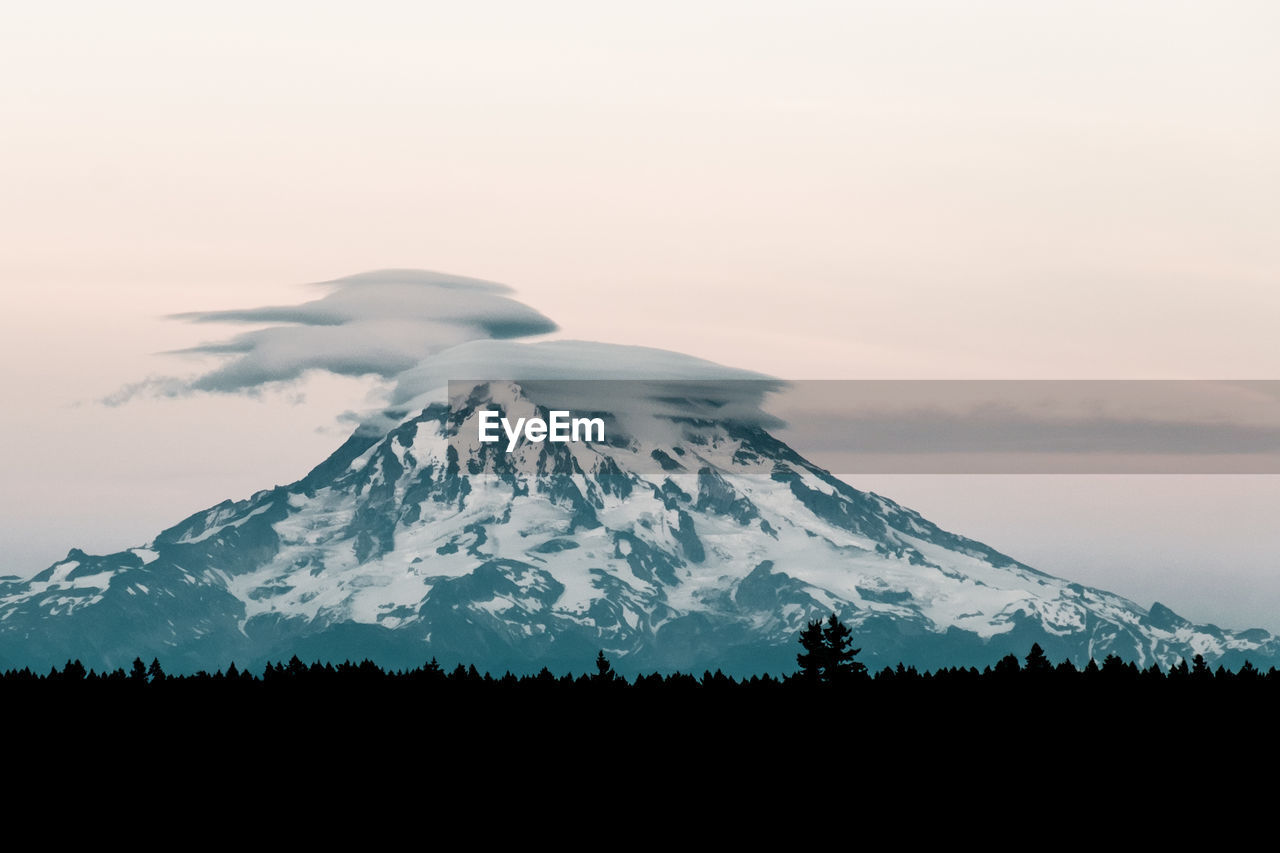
[692, 539]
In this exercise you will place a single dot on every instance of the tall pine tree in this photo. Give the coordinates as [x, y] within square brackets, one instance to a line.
[828, 657]
[841, 668]
[812, 660]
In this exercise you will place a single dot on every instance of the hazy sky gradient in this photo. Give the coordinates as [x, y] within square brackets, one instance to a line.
[811, 190]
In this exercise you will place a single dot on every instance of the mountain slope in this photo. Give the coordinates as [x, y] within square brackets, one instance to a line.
[700, 543]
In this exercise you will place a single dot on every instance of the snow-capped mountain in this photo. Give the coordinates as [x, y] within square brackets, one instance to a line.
[682, 542]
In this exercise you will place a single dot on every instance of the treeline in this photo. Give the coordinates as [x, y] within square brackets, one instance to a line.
[1035, 671]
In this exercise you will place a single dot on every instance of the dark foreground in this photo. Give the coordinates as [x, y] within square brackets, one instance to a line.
[1016, 733]
[1013, 705]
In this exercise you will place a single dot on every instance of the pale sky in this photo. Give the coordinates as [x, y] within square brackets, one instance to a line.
[810, 190]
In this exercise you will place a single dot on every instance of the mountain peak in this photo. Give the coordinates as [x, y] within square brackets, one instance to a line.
[681, 542]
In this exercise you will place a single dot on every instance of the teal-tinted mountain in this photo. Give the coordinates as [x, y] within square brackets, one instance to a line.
[682, 542]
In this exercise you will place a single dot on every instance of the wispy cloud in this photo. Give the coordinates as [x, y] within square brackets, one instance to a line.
[381, 323]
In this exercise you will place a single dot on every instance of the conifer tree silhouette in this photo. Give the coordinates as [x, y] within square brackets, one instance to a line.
[827, 657]
[1037, 661]
[812, 659]
[604, 670]
[1007, 668]
[841, 668]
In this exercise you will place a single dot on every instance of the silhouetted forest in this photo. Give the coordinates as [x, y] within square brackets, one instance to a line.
[1035, 670]
[1055, 717]
[826, 664]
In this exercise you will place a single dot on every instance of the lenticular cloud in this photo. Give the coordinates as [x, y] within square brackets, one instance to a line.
[380, 323]
[418, 330]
